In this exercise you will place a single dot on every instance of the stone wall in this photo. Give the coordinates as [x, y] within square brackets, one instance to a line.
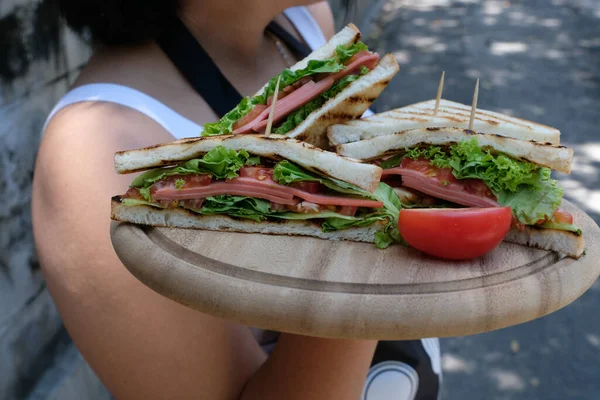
[39, 58]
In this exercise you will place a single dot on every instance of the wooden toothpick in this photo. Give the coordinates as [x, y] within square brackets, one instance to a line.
[272, 112]
[439, 94]
[474, 107]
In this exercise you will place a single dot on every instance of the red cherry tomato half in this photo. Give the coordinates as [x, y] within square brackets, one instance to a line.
[455, 234]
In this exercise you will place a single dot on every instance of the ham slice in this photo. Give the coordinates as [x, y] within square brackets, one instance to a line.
[321, 199]
[266, 189]
[294, 101]
[223, 188]
[287, 104]
[368, 60]
[454, 192]
[251, 116]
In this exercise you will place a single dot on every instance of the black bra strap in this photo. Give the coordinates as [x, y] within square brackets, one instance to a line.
[198, 68]
[294, 44]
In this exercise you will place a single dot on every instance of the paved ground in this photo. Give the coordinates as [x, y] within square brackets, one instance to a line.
[539, 60]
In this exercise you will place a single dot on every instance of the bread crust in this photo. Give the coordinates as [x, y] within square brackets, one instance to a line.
[563, 242]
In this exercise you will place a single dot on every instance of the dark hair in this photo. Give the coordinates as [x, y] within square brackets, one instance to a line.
[118, 21]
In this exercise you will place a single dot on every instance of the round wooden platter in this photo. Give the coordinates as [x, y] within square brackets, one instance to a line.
[353, 290]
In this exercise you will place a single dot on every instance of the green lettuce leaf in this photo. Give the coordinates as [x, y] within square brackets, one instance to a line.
[145, 193]
[220, 162]
[345, 53]
[225, 125]
[525, 187]
[259, 210]
[562, 227]
[236, 206]
[531, 204]
[298, 116]
[136, 202]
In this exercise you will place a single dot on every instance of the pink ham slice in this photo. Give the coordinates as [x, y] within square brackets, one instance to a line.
[322, 199]
[286, 105]
[223, 188]
[369, 60]
[292, 102]
[454, 192]
[251, 116]
[263, 189]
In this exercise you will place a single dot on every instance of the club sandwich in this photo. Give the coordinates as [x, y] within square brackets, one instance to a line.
[257, 184]
[336, 83]
[434, 161]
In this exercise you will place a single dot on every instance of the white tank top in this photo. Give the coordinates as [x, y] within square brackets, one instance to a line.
[170, 120]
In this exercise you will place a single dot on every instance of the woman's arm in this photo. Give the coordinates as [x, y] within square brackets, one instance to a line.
[144, 346]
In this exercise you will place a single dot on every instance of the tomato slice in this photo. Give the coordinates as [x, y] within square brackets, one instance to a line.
[347, 210]
[562, 217]
[133, 193]
[259, 173]
[310, 187]
[189, 181]
[455, 234]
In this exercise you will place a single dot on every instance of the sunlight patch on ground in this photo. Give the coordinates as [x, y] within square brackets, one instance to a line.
[504, 48]
[591, 151]
[551, 22]
[490, 20]
[507, 380]
[584, 170]
[592, 339]
[594, 42]
[454, 364]
[494, 7]
[402, 56]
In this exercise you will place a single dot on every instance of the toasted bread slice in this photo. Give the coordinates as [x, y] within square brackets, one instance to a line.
[360, 174]
[563, 242]
[182, 218]
[450, 114]
[558, 158]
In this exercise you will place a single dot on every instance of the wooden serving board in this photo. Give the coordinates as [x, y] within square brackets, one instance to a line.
[353, 290]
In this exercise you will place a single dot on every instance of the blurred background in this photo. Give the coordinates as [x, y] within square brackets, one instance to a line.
[537, 59]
